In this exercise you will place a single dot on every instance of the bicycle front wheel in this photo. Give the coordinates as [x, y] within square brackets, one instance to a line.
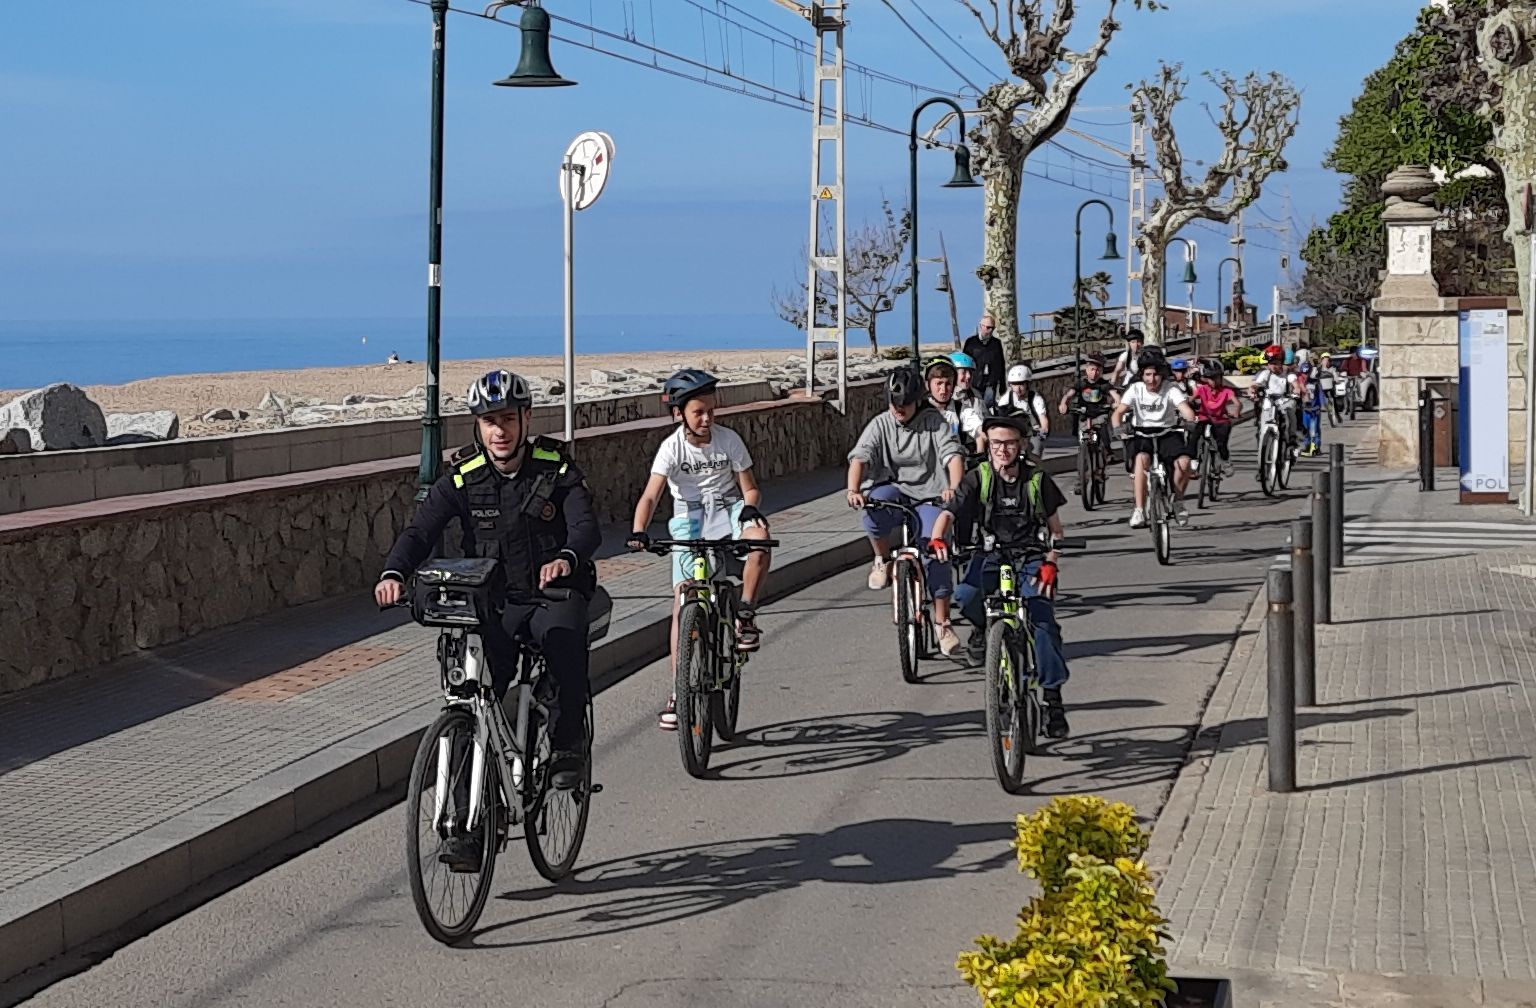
[725, 703]
[1007, 730]
[1269, 462]
[448, 902]
[695, 679]
[1207, 477]
[909, 635]
[1085, 474]
[1283, 464]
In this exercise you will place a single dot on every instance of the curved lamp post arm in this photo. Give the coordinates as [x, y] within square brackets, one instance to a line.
[1077, 279]
[912, 203]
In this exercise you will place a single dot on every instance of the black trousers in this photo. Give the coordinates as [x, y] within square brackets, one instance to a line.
[560, 631]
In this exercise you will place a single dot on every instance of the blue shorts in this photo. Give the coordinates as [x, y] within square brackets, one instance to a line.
[691, 526]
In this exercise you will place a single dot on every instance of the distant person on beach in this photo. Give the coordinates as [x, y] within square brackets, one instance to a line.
[394, 358]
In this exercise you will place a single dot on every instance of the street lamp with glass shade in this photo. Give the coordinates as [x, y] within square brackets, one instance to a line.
[1237, 288]
[534, 69]
[1111, 253]
[1191, 253]
[961, 179]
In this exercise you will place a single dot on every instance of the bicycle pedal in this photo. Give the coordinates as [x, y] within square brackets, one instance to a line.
[595, 789]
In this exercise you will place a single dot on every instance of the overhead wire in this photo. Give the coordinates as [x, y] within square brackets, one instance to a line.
[952, 40]
[930, 46]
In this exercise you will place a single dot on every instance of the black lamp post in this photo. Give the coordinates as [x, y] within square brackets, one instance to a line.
[1188, 277]
[1237, 289]
[1111, 251]
[533, 70]
[962, 179]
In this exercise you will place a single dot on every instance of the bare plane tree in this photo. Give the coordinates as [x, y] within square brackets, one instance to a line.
[877, 276]
[1020, 115]
[1257, 117]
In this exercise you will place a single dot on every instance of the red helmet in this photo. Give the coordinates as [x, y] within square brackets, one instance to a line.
[1274, 355]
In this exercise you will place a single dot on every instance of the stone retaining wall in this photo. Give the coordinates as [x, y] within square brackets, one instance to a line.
[85, 583]
[54, 479]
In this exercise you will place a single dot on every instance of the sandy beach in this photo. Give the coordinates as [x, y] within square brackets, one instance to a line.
[193, 395]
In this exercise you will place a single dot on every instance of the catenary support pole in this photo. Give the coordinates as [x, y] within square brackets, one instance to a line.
[1336, 501]
[1305, 616]
[1282, 684]
[1322, 550]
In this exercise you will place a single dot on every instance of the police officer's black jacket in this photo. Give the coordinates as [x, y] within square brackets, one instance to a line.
[540, 513]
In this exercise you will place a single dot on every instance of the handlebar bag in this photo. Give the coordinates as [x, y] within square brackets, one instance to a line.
[449, 592]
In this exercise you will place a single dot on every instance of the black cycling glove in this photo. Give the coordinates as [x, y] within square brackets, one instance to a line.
[751, 514]
[638, 541]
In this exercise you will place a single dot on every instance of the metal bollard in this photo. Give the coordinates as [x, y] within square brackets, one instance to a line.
[1322, 551]
[1302, 587]
[1336, 499]
[1282, 683]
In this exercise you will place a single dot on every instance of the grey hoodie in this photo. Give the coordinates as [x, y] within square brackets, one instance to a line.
[910, 455]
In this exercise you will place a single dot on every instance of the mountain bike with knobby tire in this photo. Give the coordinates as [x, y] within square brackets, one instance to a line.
[1092, 458]
[1160, 498]
[709, 662]
[911, 610]
[1015, 709]
[485, 765]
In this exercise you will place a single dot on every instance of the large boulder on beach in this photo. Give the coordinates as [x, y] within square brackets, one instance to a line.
[56, 418]
[142, 428]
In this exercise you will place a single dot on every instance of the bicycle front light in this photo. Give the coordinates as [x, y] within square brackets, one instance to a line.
[456, 675]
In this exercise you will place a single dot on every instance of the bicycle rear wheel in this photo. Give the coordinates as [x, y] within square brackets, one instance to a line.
[1269, 462]
[556, 821]
[695, 678]
[909, 634]
[449, 903]
[1007, 727]
[1100, 473]
[1207, 476]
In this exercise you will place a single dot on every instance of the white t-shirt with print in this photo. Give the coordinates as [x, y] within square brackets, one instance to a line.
[1154, 409]
[1271, 384]
[703, 476]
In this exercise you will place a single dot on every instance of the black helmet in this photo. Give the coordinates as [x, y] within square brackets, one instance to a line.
[498, 390]
[687, 383]
[1211, 368]
[1014, 422]
[904, 387]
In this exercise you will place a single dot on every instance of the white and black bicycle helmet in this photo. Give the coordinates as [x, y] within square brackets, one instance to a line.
[498, 390]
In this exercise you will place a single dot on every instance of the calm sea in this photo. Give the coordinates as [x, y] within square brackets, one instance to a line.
[112, 352]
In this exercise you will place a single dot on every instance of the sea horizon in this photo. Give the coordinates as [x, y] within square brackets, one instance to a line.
[34, 353]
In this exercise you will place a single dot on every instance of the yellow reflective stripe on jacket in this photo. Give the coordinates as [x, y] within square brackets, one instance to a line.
[546, 454]
[470, 465]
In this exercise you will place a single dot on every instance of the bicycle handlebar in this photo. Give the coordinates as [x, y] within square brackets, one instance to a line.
[661, 547]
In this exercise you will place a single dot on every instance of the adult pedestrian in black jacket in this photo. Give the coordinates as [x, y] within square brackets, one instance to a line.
[991, 363]
[523, 502]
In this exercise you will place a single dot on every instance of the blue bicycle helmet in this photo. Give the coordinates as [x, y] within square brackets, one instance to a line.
[687, 383]
[962, 360]
[1179, 364]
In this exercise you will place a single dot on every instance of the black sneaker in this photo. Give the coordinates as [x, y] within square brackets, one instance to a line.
[1055, 716]
[567, 769]
[461, 853]
[976, 646]
[748, 636]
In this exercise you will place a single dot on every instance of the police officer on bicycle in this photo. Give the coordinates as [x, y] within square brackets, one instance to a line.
[522, 501]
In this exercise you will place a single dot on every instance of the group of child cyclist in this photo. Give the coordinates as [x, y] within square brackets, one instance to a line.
[965, 459]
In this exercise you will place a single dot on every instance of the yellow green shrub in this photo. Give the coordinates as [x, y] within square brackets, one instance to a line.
[1092, 939]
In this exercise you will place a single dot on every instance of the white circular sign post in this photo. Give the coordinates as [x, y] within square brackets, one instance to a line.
[583, 174]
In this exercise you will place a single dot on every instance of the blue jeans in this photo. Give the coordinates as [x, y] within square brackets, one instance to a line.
[883, 524]
[981, 580]
[1312, 423]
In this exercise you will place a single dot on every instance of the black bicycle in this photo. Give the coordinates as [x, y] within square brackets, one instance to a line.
[916, 635]
[484, 766]
[1092, 457]
[709, 664]
[1209, 456]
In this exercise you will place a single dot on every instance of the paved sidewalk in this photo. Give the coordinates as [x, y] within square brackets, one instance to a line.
[104, 772]
[1403, 870]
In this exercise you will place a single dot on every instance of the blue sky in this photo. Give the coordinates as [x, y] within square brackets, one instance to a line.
[267, 158]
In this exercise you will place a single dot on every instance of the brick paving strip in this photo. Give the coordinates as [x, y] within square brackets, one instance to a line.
[123, 787]
[1403, 870]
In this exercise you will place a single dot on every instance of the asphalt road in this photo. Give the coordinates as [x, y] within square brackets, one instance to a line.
[849, 848]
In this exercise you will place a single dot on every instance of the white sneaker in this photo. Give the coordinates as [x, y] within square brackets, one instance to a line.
[1138, 518]
[668, 719]
[880, 574]
[1180, 515]
[949, 642]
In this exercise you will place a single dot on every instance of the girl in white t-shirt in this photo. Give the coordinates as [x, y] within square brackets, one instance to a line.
[708, 470]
